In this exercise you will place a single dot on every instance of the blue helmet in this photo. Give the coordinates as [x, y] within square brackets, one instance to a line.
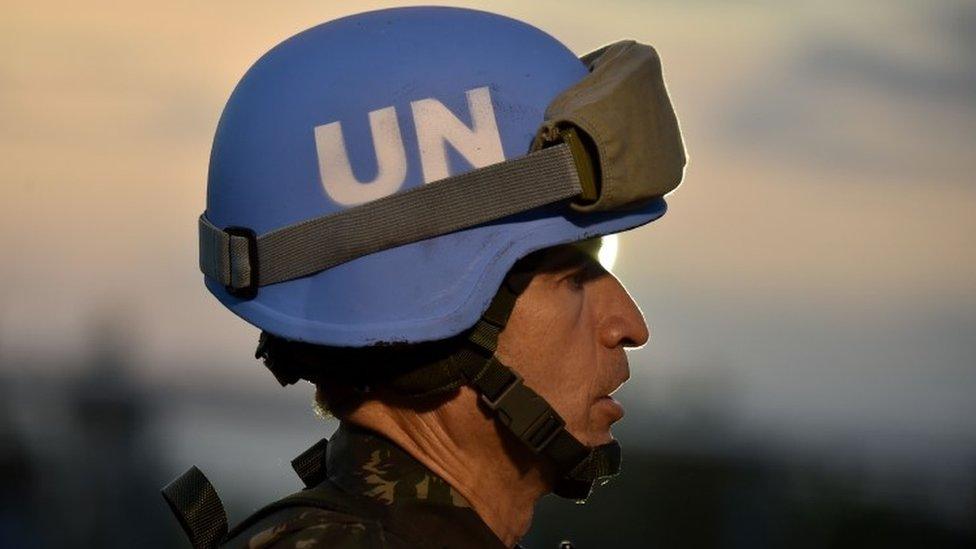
[374, 105]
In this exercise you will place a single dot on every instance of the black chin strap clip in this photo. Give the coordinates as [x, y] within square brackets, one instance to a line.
[522, 410]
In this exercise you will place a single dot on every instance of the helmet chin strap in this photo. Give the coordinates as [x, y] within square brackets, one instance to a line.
[525, 414]
[602, 464]
[521, 410]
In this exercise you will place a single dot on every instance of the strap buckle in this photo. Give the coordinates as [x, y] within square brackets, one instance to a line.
[543, 430]
[249, 272]
[586, 167]
[513, 381]
[525, 413]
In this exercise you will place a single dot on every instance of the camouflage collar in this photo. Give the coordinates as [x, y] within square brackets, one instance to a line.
[365, 463]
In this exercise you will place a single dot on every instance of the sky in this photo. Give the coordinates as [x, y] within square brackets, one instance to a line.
[815, 274]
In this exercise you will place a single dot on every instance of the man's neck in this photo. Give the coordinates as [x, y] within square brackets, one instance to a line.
[464, 447]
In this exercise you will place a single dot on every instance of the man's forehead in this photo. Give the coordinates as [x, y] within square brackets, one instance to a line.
[580, 254]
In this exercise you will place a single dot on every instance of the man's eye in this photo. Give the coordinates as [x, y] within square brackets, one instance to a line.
[585, 274]
[579, 278]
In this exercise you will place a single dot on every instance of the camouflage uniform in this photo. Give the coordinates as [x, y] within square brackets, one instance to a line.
[414, 507]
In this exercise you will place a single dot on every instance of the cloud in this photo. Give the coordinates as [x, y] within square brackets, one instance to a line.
[879, 98]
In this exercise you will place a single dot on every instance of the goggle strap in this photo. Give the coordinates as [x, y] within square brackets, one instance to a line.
[242, 262]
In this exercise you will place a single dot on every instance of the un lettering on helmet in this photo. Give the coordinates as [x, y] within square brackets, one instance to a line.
[480, 144]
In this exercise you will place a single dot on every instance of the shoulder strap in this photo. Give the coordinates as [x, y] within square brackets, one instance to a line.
[325, 496]
[322, 493]
[197, 507]
[194, 501]
[310, 464]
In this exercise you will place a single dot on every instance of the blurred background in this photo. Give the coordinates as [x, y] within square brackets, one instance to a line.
[811, 375]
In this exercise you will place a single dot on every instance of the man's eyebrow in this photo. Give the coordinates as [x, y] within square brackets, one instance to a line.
[575, 261]
[555, 259]
[564, 257]
[592, 268]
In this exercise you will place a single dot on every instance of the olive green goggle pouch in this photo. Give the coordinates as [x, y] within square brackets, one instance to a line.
[631, 132]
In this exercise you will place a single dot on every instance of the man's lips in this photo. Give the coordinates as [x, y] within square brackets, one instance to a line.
[611, 404]
[615, 409]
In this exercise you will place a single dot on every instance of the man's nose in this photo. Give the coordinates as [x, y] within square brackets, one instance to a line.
[624, 324]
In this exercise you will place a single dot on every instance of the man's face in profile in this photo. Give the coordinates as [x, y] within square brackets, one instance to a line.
[567, 337]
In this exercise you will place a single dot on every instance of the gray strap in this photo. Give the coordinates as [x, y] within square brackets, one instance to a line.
[441, 207]
[224, 256]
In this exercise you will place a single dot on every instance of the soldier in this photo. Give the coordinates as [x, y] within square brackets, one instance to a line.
[409, 203]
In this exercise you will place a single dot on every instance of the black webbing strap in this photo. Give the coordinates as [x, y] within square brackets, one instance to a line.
[599, 465]
[526, 414]
[197, 507]
[310, 464]
[520, 409]
[484, 335]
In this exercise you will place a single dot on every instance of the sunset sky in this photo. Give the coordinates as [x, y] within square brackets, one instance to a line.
[818, 259]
